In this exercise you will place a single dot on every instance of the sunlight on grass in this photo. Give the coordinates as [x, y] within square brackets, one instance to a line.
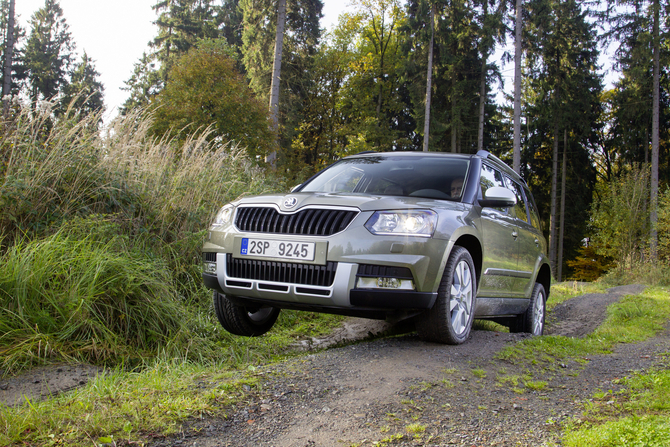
[563, 291]
[632, 319]
[123, 405]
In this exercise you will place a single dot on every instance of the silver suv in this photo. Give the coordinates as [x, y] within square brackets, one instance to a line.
[436, 237]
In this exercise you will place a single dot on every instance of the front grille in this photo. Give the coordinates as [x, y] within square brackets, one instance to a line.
[384, 271]
[316, 222]
[209, 257]
[305, 274]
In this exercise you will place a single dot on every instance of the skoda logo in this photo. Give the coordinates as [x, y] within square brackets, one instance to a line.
[290, 202]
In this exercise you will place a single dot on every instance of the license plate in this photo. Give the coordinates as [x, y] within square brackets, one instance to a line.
[277, 249]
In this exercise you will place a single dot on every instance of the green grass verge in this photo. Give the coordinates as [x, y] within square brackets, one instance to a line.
[632, 319]
[637, 416]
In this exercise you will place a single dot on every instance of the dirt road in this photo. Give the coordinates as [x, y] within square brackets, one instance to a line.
[402, 391]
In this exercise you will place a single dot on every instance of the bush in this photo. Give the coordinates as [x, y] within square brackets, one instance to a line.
[100, 237]
[65, 294]
[206, 91]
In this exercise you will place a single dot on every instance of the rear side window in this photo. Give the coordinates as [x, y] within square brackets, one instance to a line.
[519, 210]
[534, 214]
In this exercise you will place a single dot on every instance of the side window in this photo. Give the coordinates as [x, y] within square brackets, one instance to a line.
[519, 210]
[489, 178]
[534, 214]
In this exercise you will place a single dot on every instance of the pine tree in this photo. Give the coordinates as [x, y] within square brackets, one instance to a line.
[7, 52]
[144, 84]
[301, 36]
[640, 106]
[564, 94]
[181, 23]
[48, 52]
[84, 92]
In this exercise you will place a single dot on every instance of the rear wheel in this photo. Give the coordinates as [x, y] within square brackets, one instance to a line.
[241, 320]
[450, 319]
[532, 320]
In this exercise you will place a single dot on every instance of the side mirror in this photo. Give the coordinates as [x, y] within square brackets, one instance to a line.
[296, 187]
[498, 197]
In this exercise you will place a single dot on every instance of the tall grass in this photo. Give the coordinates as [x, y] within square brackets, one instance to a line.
[53, 170]
[100, 236]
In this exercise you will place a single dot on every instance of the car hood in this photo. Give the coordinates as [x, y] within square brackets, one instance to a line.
[364, 202]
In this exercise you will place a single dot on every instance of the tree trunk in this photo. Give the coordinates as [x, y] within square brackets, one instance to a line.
[554, 184]
[429, 81]
[482, 89]
[276, 75]
[517, 91]
[559, 263]
[653, 216]
[9, 50]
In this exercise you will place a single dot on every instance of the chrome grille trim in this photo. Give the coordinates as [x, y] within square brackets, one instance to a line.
[308, 221]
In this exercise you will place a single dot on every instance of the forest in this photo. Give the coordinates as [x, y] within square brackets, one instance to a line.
[393, 75]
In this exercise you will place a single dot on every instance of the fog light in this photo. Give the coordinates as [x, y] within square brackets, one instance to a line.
[388, 283]
[209, 267]
[385, 283]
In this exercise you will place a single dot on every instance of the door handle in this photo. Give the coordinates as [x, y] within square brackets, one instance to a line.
[515, 234]
[537, 242]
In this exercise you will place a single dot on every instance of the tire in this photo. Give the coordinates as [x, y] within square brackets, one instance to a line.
[240, 320]
[532, 320]
[450, 319]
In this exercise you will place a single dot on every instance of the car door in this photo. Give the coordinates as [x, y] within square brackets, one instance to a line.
[500, 248]
[527, 240]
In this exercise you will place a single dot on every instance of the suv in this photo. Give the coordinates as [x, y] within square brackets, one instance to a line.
[440, 238]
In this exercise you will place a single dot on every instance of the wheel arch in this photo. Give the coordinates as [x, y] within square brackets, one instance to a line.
[474, 247]
[544, 278]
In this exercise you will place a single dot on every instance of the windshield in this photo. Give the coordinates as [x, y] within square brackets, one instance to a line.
[429, 176]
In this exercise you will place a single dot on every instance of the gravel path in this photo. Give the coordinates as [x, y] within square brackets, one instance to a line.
[401, 391]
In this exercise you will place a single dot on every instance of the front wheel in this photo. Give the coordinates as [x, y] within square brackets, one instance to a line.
[450, 319]
[532, 321]
[240, 320]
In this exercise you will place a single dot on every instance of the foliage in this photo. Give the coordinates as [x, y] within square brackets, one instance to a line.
[91, 297]
[206, 92]
[588, 265]
[618, 218]
[156, 197]
[372, 97]
[561, 98]
[84, 92]
[301, 37]
[181, 23]
[17, 71]
[628, 136]
[48, 52]
[143, 85]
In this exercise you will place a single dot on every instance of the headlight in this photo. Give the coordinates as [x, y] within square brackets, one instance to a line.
[224, 216]
[403, 223]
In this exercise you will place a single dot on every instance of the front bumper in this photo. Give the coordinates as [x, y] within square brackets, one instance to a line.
[336, 294]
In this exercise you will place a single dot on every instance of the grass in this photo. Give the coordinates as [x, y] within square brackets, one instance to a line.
[636, 416]
[563, 291]
[122, 405]
[100, 240]
[632, 319]
[156, 398]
